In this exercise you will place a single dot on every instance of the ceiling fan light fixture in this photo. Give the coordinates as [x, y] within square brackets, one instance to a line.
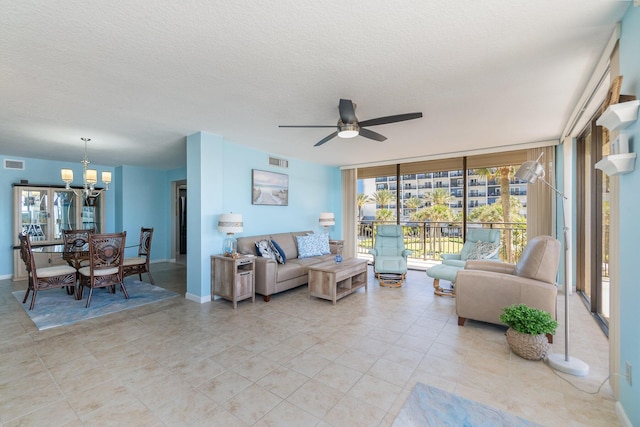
[349, 130]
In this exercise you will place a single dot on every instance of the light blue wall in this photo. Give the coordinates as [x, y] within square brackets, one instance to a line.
[219, 179]
[145, 202]
[38, 172]
[313, 189]
[629, 226]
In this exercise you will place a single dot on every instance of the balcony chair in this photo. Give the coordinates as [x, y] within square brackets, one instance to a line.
[488, 248]
[389, 255]
[484, 288]
[59, 276]
[140, 264]
[106, 256]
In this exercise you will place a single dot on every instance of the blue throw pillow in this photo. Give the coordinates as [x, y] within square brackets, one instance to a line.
[280, 256]
[308, 246]
[322, 240]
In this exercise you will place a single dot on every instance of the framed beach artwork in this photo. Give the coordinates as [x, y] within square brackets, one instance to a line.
[269, 188]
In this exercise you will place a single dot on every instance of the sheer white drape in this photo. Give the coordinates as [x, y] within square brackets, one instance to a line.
[349, 212]
[540, 198]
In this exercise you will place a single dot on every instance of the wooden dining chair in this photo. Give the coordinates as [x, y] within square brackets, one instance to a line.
[140, 264]
[59, 276]
[76, 247]
[106, 256]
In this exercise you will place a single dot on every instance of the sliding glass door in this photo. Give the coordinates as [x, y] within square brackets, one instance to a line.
[592, 202]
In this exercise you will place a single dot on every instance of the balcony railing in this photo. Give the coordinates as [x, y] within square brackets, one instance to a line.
[428, 240]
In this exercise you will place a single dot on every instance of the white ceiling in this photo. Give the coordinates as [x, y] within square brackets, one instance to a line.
[139, 76]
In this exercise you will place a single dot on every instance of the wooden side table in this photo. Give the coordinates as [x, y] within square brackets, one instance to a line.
[233, 279]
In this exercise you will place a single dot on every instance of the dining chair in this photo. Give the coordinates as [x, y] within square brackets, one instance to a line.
[106, 256]
[59, 276]
[140, 264]
[76, 243]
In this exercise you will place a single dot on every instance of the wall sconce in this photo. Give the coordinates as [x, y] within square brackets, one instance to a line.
[230, 224]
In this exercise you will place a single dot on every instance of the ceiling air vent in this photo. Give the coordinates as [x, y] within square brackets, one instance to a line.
[281, 163]
[14, 164]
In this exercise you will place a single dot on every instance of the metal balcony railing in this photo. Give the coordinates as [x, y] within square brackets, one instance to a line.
[428, 240]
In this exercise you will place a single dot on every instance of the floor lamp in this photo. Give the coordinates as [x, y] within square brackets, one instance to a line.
[532, 171]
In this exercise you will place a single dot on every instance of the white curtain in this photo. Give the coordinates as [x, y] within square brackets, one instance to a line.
[349, 212]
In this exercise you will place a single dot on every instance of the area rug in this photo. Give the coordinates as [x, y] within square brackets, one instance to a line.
[55, 308]
[430, 406]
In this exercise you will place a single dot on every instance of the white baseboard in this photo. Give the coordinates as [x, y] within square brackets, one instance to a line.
[622, 416]
[6, 276]
[159, 260]
[198, 299]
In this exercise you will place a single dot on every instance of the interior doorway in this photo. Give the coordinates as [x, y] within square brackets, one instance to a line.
[179, 223]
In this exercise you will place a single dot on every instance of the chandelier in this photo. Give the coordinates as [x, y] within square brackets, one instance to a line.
[89, 177]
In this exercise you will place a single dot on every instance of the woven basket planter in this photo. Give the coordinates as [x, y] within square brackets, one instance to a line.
[530, 347]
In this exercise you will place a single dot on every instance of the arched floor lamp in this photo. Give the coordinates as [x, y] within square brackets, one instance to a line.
[532, 171]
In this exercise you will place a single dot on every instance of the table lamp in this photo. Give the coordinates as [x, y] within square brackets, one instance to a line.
[327, 220]
[230, 223]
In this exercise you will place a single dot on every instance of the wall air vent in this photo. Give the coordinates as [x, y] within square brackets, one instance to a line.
[14, 164]
[281, 163]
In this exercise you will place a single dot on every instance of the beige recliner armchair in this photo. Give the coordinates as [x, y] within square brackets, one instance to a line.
[483, 288]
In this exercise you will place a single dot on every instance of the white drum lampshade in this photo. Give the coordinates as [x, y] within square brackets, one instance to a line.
[230, 224]
[327, 219]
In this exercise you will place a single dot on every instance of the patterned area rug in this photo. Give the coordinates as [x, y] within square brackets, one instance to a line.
[430, 406]
[55, 308]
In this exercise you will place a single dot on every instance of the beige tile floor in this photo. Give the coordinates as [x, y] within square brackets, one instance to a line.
[293, 361]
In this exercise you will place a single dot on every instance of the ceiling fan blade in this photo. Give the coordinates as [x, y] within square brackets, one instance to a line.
[372, 135]
[326, 138]
[307, 126]
[347, 112]
[390, 119]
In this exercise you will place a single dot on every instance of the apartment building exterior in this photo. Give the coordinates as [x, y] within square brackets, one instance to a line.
[481, 190]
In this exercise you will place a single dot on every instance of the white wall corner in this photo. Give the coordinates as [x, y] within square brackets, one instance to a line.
[622, 416]
[198, 299]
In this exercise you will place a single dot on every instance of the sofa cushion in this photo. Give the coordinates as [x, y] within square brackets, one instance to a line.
[281, 257]
[287, 243]
[247, 245]
[290, 270]
[484, 250]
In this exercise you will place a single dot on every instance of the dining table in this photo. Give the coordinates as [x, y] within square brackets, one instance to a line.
[73, 254]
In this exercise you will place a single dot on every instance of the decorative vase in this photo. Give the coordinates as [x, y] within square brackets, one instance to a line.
[530, 347]
[338, 258]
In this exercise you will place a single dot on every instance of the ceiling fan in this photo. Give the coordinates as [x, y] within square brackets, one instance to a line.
[349, 127]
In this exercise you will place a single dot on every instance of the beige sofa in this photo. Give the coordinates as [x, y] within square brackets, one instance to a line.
[272, 277]
[483, 288]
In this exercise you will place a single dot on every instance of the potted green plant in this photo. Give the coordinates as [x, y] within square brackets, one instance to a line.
[528, 329]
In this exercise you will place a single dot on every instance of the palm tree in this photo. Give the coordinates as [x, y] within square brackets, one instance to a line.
[383, 197]
[413, 202]
[385, 215]
[362, 200]
[438, 212]
[504, 174]
[440, 196]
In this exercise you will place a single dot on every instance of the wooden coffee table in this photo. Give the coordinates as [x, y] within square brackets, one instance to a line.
[334, 280]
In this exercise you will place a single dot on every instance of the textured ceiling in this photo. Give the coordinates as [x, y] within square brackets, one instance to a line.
[139, 76]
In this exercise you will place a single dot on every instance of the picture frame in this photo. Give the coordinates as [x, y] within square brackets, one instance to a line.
[269, 188]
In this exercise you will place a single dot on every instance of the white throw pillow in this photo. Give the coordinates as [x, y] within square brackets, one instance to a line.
[484, 250]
